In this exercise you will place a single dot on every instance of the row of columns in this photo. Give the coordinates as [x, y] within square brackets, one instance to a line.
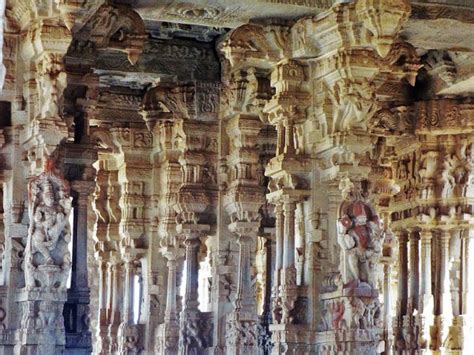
[425, 306]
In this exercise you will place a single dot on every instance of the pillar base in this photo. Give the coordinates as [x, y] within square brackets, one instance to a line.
[352, 320]
[42, 324]
[167, 338]
[288, 338]
[76, 322]
[241, 334]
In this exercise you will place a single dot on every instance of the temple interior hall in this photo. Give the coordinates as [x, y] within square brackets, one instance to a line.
[252, 177]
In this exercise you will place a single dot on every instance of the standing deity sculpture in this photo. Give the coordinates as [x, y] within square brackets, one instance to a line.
[47, 258]
[360, 237]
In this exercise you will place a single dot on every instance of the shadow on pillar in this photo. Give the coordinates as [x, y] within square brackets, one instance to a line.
[76, 322]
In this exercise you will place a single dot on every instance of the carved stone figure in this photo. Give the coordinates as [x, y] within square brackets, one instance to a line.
[49, 231]
[360, 237]
[191, 131]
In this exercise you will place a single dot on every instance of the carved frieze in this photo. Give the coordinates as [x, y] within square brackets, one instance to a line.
[444, 116]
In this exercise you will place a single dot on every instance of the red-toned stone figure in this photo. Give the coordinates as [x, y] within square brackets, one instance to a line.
[360, 237]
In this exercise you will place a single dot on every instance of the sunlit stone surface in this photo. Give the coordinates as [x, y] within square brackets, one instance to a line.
[251, 177]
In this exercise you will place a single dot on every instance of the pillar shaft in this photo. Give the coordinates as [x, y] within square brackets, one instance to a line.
[445, 306]
[128, 294]
[468, 271]
[191, 293]
[279, 232]
[403, 274]
[425, 266]
[414, 270]
[268, 277]
[289, 138]
[170, 312]
[289, 238]
[387, 294]
[445, 309]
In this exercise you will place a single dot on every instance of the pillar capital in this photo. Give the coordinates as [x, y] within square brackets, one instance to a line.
[192, 230]
[83, 187]
[172, 253]
[245, 229]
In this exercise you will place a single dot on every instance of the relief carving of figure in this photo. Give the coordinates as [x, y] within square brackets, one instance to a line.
[49, 231]
[360, 237]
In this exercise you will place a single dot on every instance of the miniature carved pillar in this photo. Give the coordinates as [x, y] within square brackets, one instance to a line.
[280, 138]
[387, 294]
[79, 278]
[403, 274]
[106, 306]
[242, 323]
[268, 277]
[190, 337]
[245, 293]
[114, 314]
[170, 312]
[109, 284]
[76, 310]
[445, 305]
[402, 297]
[288, 282]
[167, 334]
[414, 271]
[102, 290]
[289, 137]
[468, 286]
[115, 308]
[191, 293]
[128, 341]
[289, 239]
[279, 232]
[426, 295]
[128, 294]
[264, 335]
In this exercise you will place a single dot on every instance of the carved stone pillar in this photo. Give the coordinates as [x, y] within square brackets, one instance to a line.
[289, 208]
[167, 333]
[468, 289]
[387, 304]
[114, 312]
[76, 309]
[104, 313]
[414, 272]
[191, 327]
[264, 335]
[279, 232]
[288, 280]
[128, 291]
[191, 294]
[400, 337]
[426, 295]
[445, 312]
[129, 336]
[242, 322]
[47, 266]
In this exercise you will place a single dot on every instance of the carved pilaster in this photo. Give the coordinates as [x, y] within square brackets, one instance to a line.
[167, 334]
[242, 323]
[47, 265]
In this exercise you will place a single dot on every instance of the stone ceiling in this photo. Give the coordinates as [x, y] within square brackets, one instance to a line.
[446, 26]
[228, 13]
